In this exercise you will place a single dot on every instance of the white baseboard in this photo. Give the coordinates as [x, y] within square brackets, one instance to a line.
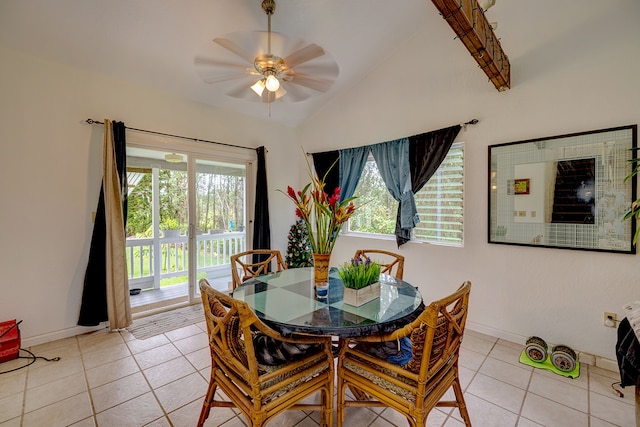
[497, 333]
[58, 335]
[583, 357]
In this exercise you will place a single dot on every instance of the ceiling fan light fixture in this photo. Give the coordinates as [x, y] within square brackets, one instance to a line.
[258, 87]
[272, 84]
[280, 92]
[173, 158]
[271, 71]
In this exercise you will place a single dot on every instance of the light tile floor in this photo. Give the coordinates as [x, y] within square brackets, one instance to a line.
[113, 379]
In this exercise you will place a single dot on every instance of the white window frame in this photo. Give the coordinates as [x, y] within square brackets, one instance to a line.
[455, 146]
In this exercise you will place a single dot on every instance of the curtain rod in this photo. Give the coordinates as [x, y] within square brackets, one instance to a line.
[463, 125]
[97, 122]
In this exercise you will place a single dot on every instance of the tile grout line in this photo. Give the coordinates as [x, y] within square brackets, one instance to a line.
[24, 394]
[94, 415]
[524, 397]
[26, 388]
[153, 391]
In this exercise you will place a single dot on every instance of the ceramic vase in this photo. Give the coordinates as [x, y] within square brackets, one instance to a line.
[321, 273]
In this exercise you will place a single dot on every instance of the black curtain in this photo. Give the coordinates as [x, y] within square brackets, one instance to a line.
[426, 153]
[261, 227]
[93, 308]
[322, 162]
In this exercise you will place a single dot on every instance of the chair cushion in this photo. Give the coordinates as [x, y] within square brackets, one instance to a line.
[304, 373]
[398, 352]
[234, 339]
[217, 309]
[417, 348]
[270, 351]
[417, 344]
[372, 376]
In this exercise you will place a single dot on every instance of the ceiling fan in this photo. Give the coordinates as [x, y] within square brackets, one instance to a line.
[270, 76]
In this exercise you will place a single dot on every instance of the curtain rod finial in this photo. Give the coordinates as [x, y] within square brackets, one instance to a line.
[470, 122]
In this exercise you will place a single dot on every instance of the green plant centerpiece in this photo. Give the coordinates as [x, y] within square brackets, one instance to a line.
[359, 272]
[360, 278]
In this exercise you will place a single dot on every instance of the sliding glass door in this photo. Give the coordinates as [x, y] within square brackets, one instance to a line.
[186, 216]
[220, 200]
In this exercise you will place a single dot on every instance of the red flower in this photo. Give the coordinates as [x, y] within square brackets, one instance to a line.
[291, 192]
[322, 214]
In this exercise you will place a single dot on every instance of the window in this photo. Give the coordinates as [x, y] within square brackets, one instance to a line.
[439, 203]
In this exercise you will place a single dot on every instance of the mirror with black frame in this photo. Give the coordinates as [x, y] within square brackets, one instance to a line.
[566, 191]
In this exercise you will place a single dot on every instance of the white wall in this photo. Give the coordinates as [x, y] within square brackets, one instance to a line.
[51, 173]
[584, 76]
[578, 71]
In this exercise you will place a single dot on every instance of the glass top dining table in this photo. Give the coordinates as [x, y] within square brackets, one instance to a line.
[287, 302]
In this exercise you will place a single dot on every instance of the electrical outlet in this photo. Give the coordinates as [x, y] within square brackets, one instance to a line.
[610, 319]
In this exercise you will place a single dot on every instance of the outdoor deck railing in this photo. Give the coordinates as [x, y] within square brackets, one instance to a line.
[145, 270]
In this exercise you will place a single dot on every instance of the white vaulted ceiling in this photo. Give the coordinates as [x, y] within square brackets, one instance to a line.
[155, 42]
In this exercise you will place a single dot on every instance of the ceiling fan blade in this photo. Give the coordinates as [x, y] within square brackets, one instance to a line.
[223, 78]
[235, 48]
[303, 55]
[202, 61]
[325, 70]
[243, 91]
[319, 85]
[295, 93]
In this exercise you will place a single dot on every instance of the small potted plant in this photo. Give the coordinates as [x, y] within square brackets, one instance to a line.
[170, 227]
[360, 277]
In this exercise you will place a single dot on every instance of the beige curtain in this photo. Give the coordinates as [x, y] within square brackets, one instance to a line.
[118, 306]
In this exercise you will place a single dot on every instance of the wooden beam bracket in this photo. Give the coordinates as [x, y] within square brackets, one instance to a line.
[467, 20]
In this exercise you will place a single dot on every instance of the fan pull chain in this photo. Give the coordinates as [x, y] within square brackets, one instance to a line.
[269, 34]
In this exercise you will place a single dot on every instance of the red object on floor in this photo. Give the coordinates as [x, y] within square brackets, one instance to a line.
[9, 340]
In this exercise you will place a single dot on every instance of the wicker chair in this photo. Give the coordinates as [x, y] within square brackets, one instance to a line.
[242, 263]
[417, 387]
[260, 391]
[388, 260]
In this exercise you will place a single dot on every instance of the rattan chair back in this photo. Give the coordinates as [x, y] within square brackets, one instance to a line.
[259, 391]
[415, 388]
[392, 263]
[244, 268]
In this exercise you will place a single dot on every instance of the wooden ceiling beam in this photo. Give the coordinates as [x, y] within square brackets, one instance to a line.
[467, 20]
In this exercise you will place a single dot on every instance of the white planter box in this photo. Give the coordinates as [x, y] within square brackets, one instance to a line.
[170, 234]
[361, 296]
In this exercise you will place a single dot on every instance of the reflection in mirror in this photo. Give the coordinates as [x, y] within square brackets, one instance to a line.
[565, 191]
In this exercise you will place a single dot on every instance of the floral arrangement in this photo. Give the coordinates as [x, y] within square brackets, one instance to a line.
[298, 247]
[323, 215]
[359, 272]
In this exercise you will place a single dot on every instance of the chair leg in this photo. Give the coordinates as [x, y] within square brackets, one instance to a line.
[327, 404]
[206, 405]
[462, 406]
[340, 402]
